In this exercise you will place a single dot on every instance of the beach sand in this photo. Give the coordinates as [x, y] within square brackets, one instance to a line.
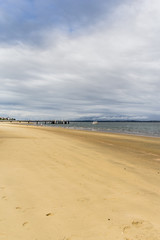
[61, 184]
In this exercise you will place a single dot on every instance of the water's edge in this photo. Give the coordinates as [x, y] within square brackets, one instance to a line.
[150, 129]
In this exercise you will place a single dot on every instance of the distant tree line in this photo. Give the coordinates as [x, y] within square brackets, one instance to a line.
[7, 119]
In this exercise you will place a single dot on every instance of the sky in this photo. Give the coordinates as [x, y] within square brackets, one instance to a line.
[80, 59]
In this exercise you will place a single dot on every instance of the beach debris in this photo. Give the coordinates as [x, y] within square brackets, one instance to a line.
[49, 214]
[24, 224]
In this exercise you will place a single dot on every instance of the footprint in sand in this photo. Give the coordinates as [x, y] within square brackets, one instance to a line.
[2, 234]
[140, 230]
[18, 208]
[83, 199]
[4, 198]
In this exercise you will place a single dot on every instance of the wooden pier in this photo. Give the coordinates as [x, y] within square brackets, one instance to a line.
[45, 121]
[38, 121]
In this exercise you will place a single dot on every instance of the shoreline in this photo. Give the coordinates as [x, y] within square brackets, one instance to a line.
[90, 130]
[58, 183]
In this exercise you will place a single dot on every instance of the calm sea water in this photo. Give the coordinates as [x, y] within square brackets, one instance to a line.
[136, 128]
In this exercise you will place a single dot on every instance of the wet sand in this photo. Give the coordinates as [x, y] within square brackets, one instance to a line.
[60, 184]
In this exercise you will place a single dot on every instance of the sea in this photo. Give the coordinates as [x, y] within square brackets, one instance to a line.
[134, 128]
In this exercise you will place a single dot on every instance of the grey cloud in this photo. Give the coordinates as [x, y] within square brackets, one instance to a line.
[105, 72]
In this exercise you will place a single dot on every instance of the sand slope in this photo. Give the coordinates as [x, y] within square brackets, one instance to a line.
[70, 185]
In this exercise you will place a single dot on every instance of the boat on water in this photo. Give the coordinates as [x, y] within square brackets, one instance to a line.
[94, 122]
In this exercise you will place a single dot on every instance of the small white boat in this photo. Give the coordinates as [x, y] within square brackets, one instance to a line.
[95, 122]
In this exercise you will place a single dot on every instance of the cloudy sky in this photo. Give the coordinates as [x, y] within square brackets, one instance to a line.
[75, 59]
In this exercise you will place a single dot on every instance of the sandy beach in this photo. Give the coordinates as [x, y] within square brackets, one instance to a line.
[61, 184]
